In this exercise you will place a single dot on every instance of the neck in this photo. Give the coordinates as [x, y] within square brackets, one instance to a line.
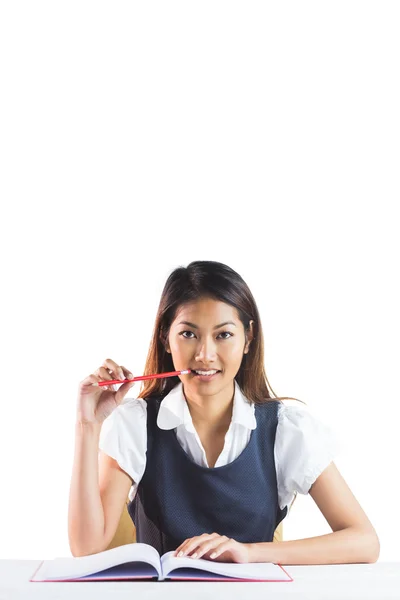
[211, 412]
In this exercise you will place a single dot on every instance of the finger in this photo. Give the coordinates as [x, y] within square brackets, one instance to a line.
[210, 545]
[126, 374]
[111, 364]
[187, 547]
[117, 371]
[90, 380]
[179, 548]
[195, 542]
[104, 375]
[189, 543]
[125, 377]
[222, 548]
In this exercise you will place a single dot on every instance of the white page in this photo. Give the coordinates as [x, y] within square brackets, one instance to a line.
[170, 562]
[79, 566]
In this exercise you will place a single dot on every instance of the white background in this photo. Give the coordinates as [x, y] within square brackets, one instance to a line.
[137, 137]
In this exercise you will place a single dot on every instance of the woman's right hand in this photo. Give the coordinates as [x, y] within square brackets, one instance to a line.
[96, 403]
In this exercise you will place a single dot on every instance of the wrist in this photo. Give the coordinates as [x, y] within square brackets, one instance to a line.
[87, 426]
[250, 550]
[260, 552]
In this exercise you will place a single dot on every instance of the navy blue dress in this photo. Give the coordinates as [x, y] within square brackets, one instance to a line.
[178, 499]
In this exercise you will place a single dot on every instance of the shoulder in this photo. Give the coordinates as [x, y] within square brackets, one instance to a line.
[131, 405]
[301, 431]
[123, 436]
[292, 412]
[301, 419]
[284, 412]
[129, 417]
[304, 446]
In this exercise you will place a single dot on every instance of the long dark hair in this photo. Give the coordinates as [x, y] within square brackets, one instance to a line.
[208, 279]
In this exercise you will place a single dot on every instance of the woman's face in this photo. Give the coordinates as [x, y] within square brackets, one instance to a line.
[208, 335]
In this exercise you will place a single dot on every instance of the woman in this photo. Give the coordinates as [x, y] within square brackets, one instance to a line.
[210, 459]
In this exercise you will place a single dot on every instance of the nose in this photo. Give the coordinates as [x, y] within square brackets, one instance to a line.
[206, 352]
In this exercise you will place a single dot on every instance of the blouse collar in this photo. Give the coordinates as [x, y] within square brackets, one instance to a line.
[174, 410]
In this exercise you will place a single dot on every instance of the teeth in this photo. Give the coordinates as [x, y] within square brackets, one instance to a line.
[206, 372]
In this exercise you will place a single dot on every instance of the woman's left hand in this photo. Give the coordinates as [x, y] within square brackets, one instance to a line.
[212, 546]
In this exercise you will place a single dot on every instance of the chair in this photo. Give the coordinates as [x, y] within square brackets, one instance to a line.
[126, 532]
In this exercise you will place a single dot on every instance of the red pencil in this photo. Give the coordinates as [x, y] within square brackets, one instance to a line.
[170, 374]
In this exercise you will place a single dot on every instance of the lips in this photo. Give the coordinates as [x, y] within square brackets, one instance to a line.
[194, 371]
[205, 378]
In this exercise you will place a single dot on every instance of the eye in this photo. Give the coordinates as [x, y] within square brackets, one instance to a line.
[185, 335]
[228, 332]
[190, 338]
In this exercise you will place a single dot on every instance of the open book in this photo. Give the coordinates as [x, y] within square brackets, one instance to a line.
[142, 561]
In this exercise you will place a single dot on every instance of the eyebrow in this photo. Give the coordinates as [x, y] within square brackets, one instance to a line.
[216, 327]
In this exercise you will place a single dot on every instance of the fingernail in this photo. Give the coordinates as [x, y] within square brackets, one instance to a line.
[180, 553]
[194, 555]
[213, 555]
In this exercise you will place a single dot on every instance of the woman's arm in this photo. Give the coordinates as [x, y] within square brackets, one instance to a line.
[85, 509]
[354, 539]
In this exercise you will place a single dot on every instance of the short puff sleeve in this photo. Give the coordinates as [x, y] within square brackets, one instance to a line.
[304, 447]
[123, 436]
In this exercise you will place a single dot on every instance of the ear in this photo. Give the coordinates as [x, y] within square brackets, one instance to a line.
[249, 337]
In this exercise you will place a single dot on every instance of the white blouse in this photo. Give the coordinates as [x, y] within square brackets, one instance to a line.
[304, 446]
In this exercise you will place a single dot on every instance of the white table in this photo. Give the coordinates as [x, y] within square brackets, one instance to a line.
[376, 581]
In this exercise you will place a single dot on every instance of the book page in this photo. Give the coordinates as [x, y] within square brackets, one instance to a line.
[253, 571]
[129, 570]
[81, 566]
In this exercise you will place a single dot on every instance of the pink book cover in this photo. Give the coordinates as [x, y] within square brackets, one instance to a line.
[143, 571]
